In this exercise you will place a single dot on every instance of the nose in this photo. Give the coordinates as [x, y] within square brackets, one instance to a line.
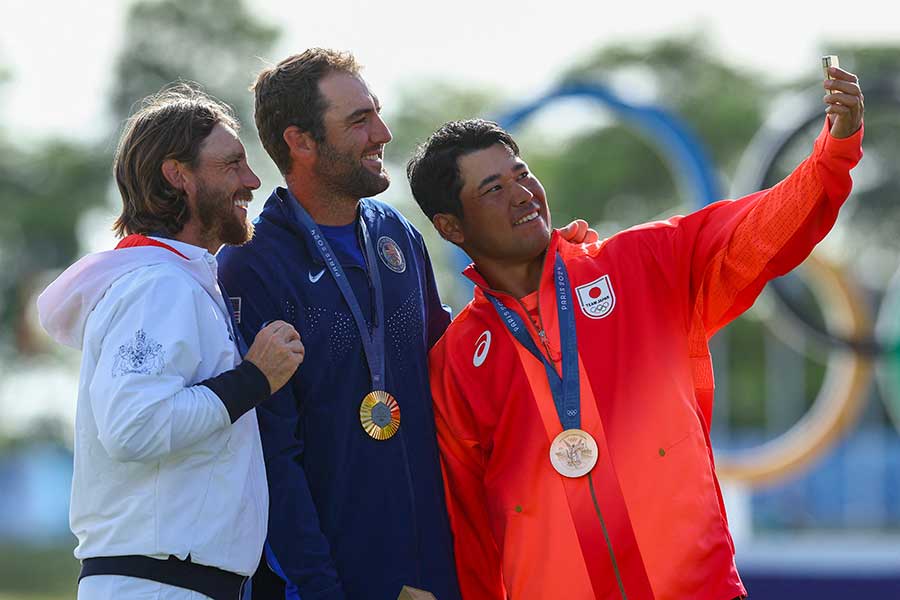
[522, 194]
[380, 133]
[249, 178]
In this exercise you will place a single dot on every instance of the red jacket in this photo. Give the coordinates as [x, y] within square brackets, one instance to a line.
[646, 385]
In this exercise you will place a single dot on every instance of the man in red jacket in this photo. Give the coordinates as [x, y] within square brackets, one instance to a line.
[573, 395]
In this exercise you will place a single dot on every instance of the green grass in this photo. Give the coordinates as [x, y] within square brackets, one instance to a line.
[45, 573]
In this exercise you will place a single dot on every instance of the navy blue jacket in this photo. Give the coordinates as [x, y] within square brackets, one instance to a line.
[350, 516]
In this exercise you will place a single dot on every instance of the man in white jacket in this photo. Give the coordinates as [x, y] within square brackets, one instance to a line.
[169, 495]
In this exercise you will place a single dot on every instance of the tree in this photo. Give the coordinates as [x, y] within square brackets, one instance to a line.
[425, 106]
[51, 186]
[610, 172]
[214, 42]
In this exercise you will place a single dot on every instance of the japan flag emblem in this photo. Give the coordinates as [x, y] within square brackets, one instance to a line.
[597, 298]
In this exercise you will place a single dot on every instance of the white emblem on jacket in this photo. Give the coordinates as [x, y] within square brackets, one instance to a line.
[597, 298]
[482, 345]
[143, 355]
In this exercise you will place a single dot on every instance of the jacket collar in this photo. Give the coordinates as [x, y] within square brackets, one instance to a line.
[482, 287]
[282, 209]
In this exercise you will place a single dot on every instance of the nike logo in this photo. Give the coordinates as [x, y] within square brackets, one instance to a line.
[315, 278]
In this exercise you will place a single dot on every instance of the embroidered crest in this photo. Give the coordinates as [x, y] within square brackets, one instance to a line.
[235, 308]
[391, 255]
[597, 298]
[143, 355]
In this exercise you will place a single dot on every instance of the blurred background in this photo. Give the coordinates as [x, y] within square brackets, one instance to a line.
[627, 113]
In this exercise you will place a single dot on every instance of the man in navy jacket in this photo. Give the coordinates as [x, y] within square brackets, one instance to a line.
[356, 496]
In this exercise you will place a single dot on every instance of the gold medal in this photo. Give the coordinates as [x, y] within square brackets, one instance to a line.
[573, 453]
[379, 414]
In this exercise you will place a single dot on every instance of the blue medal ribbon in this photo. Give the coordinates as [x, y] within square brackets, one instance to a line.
[373, 344]
[565, 389]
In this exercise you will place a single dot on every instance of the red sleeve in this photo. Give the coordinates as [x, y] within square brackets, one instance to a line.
[463, 462]
[727, 251]
[735, 247]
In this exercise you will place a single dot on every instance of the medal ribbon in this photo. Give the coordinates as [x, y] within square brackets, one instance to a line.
[373, 344]
[567, 400]
[565, 390]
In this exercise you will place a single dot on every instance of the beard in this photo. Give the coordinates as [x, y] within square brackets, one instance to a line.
[344, 175]
[215, 210]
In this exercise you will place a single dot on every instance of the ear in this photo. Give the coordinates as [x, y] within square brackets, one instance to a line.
[301, 144]
[450, 228]
[173, 171]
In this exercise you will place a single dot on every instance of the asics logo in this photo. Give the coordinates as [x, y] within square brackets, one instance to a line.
[482, 345]
[315, 278]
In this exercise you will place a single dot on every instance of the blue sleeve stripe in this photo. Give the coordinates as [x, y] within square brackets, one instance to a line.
[290, 590]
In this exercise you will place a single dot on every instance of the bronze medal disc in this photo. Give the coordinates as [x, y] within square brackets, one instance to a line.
[573, 453]
[379, 414]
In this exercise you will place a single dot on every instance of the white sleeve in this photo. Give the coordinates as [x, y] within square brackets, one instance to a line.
[141, 393]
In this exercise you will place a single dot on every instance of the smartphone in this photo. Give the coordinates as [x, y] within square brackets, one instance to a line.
[829, 61]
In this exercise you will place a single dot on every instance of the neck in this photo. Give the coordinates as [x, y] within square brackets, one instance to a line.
[515, 279]
[325, 208]
[192, 234]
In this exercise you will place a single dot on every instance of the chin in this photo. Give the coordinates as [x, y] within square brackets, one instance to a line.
[368, 186]
[543, 236]
[237, 235]
[381, 184]
[534, 247]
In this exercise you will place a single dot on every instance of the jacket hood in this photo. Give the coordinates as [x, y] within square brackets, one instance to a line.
[64, 307]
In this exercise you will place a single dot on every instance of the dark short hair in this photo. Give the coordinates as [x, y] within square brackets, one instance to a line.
[172, 123]
[288, 95]
[433, 171]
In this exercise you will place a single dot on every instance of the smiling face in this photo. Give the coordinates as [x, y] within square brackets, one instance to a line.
[221, 187]
[350, 159]
[505, 218]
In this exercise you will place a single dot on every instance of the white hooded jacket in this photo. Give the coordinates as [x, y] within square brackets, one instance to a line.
[160, 469]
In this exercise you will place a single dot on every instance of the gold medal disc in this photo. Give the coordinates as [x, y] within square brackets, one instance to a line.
[573, 453]
[379, 414]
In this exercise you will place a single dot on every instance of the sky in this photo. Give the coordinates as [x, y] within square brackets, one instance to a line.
[517, 47]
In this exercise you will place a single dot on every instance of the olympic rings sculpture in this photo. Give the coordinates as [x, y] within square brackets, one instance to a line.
[848, 322]
[879, 344]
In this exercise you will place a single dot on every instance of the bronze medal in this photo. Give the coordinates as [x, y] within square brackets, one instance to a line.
[573, 453]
